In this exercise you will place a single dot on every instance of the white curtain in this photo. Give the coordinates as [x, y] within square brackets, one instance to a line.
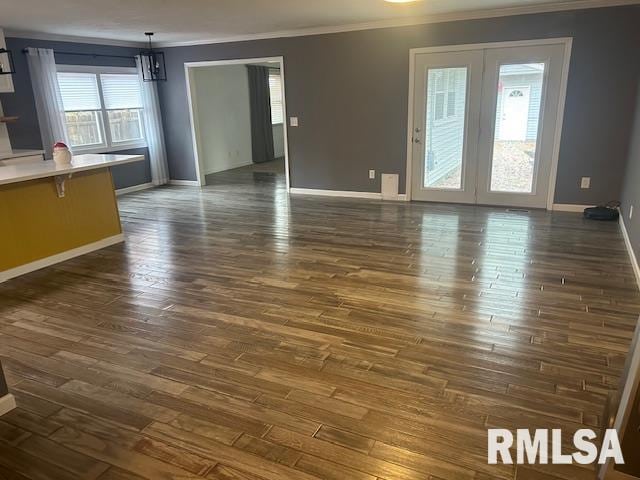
[154, 131]
[44, 80]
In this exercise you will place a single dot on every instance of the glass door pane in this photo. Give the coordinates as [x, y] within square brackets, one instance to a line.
[483, 126]
[519, 114]
[447, 89]
[515, 145]
[445, 122]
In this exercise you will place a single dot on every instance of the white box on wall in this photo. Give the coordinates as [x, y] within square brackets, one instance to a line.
[390, 182]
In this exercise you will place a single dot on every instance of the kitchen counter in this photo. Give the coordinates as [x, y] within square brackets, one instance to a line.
[20, 153]
[79, 163]
[51, 213]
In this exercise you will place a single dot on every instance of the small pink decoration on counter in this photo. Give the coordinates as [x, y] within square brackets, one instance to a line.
[61, 154]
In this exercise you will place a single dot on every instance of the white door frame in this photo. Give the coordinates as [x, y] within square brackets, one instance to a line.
[188, 66]
[568, 44]
[472, 62]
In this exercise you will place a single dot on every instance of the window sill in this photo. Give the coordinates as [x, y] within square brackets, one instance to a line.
[113, 149]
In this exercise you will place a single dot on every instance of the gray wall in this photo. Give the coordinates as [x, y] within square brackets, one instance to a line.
[223, 116]
[350, 92]
[631, 190]
[278, 140]
[3, 383]
[26, 134]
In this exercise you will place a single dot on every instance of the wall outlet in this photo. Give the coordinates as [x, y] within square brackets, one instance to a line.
[631, 212]
[585, 183]
[372, 174]
[293, 121]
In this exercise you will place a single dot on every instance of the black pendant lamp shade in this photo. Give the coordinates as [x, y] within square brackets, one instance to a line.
[152, 62]
[6, 62]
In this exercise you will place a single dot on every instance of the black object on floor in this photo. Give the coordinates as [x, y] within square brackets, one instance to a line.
[607, 212]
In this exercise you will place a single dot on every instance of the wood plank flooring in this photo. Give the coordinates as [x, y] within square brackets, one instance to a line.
[242, 334]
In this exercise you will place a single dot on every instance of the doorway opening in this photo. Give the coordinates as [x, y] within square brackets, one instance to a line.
[238, 112]
[485, 122]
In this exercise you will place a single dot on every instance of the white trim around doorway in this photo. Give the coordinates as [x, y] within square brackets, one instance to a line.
[568, 44]
[240, 61]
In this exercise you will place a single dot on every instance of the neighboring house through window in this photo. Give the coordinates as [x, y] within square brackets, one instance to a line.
[103, 108]
[275, 91]
[445, 94]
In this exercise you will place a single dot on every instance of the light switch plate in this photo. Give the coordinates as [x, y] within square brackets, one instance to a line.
[585, 183]
[372, 174]
[293, 121]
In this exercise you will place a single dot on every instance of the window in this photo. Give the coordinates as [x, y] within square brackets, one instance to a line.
[82, 106]
[275, 91]
[123, 104]
[103, 108]
[445, 94]
[451, 93]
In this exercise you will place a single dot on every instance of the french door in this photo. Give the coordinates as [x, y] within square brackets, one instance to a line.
[484, 125]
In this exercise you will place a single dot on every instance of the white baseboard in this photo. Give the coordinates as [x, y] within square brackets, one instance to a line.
[60, 257]
[335, 193]
[341, 193]
[7, 403]
[632, 253]
[185, 183]
[134, 188]
[568, 207]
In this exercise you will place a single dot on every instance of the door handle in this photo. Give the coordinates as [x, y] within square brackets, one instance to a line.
[416, 140]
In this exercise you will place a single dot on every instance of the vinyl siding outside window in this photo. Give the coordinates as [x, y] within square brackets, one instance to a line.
[445, 95]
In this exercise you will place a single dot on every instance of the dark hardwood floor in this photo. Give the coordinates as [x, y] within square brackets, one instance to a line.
[243, 334]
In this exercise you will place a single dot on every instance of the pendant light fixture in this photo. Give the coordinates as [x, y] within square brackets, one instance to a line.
[152, 62]
[6, 62]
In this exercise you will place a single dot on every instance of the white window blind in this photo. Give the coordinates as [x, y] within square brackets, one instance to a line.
[120, 91]
[79, 91]
[275, 90]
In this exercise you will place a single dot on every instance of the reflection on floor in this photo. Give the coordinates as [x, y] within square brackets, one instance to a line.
[256, 174]
[240, 333]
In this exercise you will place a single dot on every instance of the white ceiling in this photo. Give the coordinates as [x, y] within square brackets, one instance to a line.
[176, 21]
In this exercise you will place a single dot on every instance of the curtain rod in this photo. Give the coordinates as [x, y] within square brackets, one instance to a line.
[87, 54]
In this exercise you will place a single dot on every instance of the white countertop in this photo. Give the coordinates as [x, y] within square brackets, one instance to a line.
[80, 163]
[20, 153]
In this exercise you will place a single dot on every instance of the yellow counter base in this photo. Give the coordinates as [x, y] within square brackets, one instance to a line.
[39, 228]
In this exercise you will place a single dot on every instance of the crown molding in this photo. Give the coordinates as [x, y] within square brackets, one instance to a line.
[412, 21]
[54, 37]
[302, 32]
